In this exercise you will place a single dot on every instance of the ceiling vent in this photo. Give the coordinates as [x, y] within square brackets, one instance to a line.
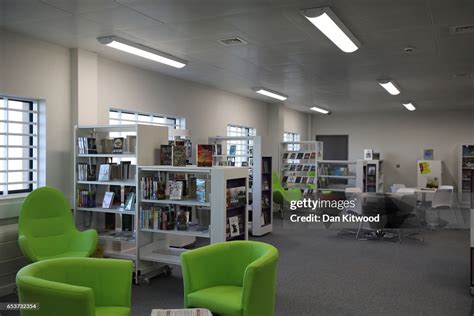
[462, 29]
[232, 41]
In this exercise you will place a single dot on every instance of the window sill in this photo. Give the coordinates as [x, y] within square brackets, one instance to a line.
[10, 205]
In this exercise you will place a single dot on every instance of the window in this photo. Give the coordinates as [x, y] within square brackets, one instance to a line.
[18, 145]
[243, 147]
[119, 117]
[292, 137]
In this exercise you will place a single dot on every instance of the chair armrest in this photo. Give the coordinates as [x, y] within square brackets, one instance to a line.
[84, 241]
[55, 298]
[292, 194]
[258, 295]
[110, 280]
[204, 267]
[26, 249]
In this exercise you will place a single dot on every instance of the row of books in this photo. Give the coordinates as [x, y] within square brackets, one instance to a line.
[336, 171]
[107, 172]
[298, 179]
[173, 155]
[299, 155]
[299, 167]
[165, 218]
[85, 198]
[158, 188]
[117, 145]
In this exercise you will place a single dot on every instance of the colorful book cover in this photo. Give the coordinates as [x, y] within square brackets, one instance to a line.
[179, 156]
[204, 155]
[166, 155]
[424, 167]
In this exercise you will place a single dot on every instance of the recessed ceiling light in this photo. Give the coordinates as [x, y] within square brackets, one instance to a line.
[320, 110]
[409, 106]
[328, 23]
[271, 93]
[142, 51]
[390, 86]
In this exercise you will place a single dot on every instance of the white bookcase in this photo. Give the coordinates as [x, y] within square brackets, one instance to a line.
[88, 211]
[337, 175]
[370, 177]
[298, 164]
[260, 218]
[208, 217]
[465, 181]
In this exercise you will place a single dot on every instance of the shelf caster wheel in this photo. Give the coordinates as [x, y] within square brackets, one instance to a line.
[167, 271]
[144, 281]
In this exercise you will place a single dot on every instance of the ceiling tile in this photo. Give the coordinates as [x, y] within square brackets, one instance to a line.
[81, 6]
[14, 12]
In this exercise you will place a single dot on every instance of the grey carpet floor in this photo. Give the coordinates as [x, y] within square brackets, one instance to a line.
[323, 273]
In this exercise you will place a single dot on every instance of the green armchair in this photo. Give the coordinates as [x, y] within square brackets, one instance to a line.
[282, 196]
[235, 278]
[46, 228]
[77, 287]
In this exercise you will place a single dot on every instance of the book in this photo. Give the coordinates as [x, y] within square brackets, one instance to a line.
[304, 179]
[130, 201]
[313, 155]
[175, 189]
[218, 150]
[202, 190]
[284, 179]
[307, 155]
[293, 156]
[179, 156]
[306, 167]
[204, 155]
[118, 145]
[107, 145]
[298, 179]
[285, 156]
[166, 155]
[286, 167]
[108, 199]
[300, 156]
[232, 150]
[104, 172]
[299, 167]
[234, 226]
[428, 154]
[368, 154]
[292, 167]
[91, 145]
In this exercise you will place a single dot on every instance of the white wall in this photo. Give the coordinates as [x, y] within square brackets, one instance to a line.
[40, 70]
[207, 110]
[298, 122]
[402, 137]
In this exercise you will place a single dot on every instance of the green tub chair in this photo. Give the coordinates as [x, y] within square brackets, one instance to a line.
[76, 287]
[46, 228]
[235, 278]
[282, 196]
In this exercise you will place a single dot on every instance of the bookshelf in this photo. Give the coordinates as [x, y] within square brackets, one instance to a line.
[336, 175]
[370, 177]
[298, 165]
[210, 200]
[465, 180]
[93, 147]
[248, 149]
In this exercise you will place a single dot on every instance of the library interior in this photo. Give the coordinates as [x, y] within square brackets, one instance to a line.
[245, 157]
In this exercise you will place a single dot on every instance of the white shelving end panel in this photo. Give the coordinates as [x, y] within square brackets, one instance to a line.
[149, 139]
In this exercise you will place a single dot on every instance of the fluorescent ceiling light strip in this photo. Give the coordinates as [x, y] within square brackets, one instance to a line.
[409, 106]
[390, 87]
[271, 94]
[142, 51]
[320, 110]
[330, 25]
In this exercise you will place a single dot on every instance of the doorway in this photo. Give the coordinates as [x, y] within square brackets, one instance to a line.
[335, 147]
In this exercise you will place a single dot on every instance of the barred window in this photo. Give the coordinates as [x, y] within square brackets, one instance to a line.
[119, 117]
[18, 145]
[292, 137]
[243, 148]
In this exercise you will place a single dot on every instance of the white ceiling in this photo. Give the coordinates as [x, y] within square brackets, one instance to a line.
[285, 52]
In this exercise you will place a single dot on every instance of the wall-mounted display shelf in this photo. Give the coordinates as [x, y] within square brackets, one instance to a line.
[105, 159]
[247, 151]
[465, 181]
[298, 164]
[208, 205]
